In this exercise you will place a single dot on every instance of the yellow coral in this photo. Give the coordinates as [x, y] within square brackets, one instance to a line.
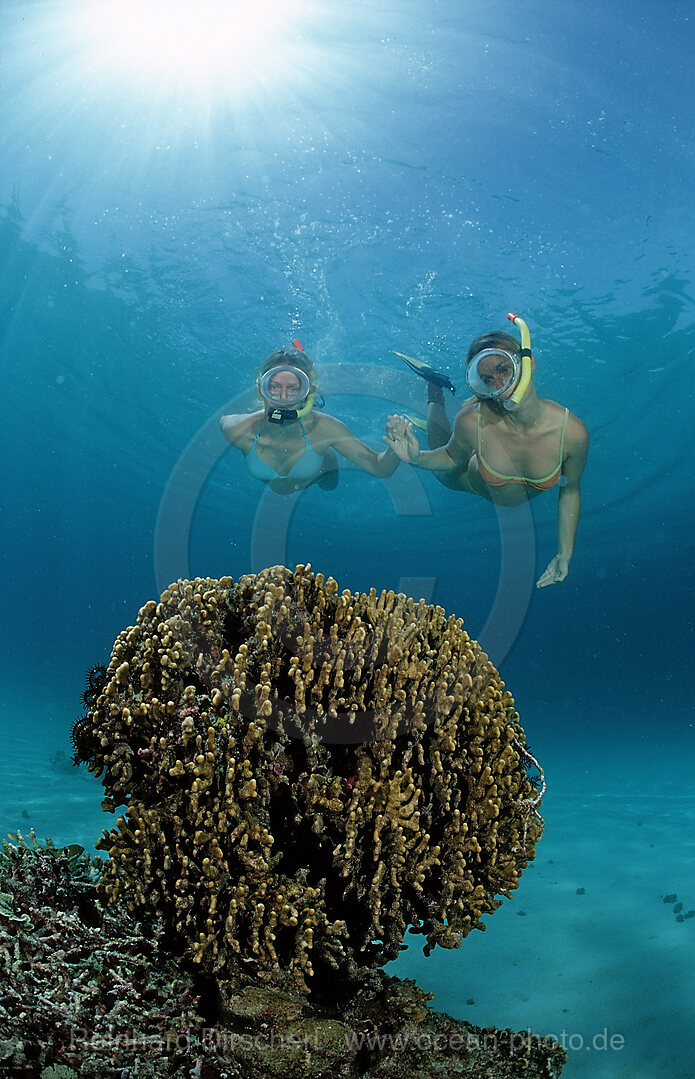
[308, 773]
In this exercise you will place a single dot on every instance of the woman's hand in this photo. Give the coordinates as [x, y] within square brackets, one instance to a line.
[400, 436]
[556, 572]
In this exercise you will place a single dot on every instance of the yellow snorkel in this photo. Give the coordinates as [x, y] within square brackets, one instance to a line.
[309, 404]
[515, 399]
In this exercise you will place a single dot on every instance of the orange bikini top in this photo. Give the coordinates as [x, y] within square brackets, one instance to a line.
[498, 479]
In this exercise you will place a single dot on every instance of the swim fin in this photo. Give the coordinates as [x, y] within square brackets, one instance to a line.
[416, 421]
[425, 371]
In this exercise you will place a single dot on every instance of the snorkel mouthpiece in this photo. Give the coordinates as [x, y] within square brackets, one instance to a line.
[515, 399]
[279, 415]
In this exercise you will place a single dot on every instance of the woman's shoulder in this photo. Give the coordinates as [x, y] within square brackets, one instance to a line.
[576, 432]
[243, 419]
[553, 409]
[470, 404]
[322, 423]
[466, 422]
[238, 427]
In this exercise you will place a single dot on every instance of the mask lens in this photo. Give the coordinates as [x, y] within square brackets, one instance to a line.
[284, 387]
[492, 373]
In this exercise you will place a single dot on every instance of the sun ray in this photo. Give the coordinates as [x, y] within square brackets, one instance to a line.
[205, 48]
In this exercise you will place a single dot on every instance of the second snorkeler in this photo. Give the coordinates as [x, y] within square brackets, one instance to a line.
[507, 444]
[287, 444]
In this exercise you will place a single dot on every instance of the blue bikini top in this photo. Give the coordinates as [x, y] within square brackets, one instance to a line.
[307, 467]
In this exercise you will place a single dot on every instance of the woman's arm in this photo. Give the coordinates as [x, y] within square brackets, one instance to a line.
[569, 502]
[400, 436]
[341, 438]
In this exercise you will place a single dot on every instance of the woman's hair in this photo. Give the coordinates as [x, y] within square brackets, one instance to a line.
[494, 339]
[290, 357]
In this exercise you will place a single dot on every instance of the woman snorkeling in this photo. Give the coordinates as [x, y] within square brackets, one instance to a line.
[287, 444]
[507, 444]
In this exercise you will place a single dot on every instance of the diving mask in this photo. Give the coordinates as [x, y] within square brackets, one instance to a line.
[493, 373]
[284, 389]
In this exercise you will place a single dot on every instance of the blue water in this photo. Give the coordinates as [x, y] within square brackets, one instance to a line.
[394, 176]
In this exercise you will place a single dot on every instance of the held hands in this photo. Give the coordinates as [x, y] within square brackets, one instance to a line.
[400, 437]
[556, 572]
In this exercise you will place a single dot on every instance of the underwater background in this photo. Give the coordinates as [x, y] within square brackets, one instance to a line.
[373, 177]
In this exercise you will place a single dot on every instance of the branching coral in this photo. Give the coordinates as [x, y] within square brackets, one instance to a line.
[308, 774]
[78, 982]
[92, 992]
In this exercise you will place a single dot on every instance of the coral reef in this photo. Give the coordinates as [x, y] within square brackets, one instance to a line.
[308, 774]
[72, 972]
[88, 992]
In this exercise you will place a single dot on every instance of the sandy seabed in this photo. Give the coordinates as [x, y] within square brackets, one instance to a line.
[596, 945]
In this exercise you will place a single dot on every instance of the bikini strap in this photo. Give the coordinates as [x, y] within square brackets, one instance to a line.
[562, 436]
